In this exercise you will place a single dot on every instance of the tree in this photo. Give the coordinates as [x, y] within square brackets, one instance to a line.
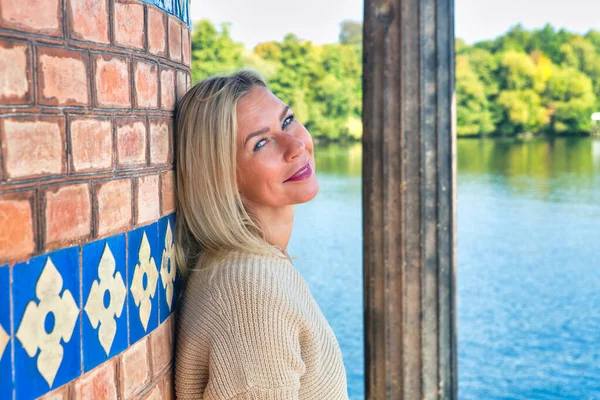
[540, 81]
[517, 71]
[473, 114]
[548, 42]
[351, 33]
[524, 112]
[581, 54]
[570, 100]
[516, 39]
[213, 51]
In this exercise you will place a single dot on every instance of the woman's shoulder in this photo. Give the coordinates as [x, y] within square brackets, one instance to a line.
[245, 284]
[238, 270]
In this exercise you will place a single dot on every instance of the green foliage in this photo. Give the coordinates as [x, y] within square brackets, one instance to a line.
[473, 110]
[213, 50]
[543, 81]
[571, 100]
[351, 33]
[322, 84]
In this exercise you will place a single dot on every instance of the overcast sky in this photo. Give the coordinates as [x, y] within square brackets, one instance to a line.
[255, 21]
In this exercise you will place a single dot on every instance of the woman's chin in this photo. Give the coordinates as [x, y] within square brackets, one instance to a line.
[310, 192]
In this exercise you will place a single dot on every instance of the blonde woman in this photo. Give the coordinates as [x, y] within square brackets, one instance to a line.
[248, 326]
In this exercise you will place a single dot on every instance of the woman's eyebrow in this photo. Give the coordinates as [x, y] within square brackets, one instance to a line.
[265, 129]
[259, 132]
[285, 110]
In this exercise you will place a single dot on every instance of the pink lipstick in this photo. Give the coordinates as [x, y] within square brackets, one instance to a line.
[303, 173]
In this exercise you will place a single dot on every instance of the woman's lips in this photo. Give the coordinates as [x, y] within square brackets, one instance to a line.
[303, 173]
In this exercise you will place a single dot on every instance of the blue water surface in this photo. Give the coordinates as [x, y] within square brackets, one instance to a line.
[528, 265]
[327, 241]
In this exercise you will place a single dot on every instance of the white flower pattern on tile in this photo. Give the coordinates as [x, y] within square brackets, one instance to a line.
[111, 282]
[32, 332]
[4, 338]
[167, 268]
[143, 293]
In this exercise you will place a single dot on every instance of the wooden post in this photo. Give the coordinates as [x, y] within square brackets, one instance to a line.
[409, 200]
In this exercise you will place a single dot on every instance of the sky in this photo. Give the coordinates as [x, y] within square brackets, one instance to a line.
[255, 21]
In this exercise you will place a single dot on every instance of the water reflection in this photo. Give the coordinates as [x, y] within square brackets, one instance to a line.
[553, 170]
[336, 159]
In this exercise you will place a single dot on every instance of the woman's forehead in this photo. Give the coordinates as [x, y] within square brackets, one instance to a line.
[257, 101]
[256, 110]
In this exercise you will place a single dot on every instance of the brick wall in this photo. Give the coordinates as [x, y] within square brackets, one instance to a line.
[87, 288]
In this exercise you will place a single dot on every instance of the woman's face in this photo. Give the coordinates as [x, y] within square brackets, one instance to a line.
[275, 160]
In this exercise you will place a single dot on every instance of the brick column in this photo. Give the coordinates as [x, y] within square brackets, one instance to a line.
[87, 288]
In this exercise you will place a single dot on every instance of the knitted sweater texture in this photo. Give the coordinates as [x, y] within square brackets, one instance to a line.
[254, 331]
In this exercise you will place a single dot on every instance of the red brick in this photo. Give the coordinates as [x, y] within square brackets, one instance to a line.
[129, 25]
[99, 383]
[68, 212]
[159, 141]
[61, 393]
[155, 394]
[131, 142]
[37, 16]
[161, 341]
[168, 389]
[112, 81]
[185, 45]
[134, 369]
[17, 236]
[146, 85]
[157, 32]
[114, 206]
[15, 75]
[182, 84]
[33, 147]
[174, 39]
[167, 89]
[63, 77]
[88, 20]
[91, 144]
[167, 191]
[147, 199]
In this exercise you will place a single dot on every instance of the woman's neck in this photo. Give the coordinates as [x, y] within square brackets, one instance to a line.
[277, 224]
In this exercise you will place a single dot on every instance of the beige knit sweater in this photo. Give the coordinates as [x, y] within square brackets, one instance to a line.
[254, 331]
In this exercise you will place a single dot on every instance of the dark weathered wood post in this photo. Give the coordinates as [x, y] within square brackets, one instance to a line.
[409, 200]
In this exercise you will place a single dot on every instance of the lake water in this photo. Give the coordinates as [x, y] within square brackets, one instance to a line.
[528, 265]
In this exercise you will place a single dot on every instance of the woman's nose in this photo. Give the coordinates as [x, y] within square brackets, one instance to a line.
[294, 147]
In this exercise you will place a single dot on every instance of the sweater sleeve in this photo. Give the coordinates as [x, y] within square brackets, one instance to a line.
[257, 355]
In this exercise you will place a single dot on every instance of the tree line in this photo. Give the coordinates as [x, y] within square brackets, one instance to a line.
[543, 81]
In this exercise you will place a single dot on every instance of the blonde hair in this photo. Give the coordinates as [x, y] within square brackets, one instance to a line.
[211, 220]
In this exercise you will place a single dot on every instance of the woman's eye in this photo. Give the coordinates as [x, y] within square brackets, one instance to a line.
[287, 121]
[260, 144]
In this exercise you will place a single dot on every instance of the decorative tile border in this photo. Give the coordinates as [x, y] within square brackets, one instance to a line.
[75, 308]
[5, 336]
[178, 8]
[104, 313]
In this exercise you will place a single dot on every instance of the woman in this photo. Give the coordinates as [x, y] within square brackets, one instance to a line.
[248, 327]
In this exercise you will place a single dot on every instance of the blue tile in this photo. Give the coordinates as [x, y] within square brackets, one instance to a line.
[167, 289]
[185, 13]
[105, 311]
[143, 278]
[169, 7]
[46, 302]
[181, 10]
[173, 7]
[5, 343]
[177, 8]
